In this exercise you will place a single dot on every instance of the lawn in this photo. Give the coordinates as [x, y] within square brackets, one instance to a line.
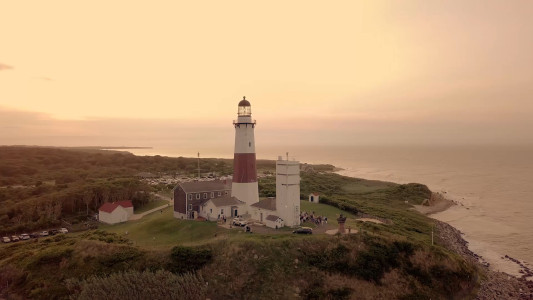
[331, 212]
[151, 205]
[162, 230]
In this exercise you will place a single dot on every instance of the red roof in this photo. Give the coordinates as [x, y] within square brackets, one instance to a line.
[125, 203]
[110, 207]
[315, 194]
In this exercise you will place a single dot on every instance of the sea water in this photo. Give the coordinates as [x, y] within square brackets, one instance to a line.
[493, 184]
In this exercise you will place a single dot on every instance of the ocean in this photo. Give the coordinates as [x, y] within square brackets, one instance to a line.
[493, 184]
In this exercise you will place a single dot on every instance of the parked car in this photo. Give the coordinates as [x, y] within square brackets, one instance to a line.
[43, 233]
[63, 230]
[15, 238]
[239, 222]
[53, 232]
[6, 239]
[34, 235]
[304, 230]
[24, 236]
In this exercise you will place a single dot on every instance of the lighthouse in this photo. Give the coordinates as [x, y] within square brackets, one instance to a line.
[244, 186]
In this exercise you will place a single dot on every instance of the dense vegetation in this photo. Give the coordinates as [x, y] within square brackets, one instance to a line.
[394, 260]
[41, 187]
[365, 266]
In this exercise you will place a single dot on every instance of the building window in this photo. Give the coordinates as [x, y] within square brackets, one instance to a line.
[205, 195]
[219, 194]
[226, 192]
[197, 196]
[221, 211]
[212, 194]
[211, 210]
[190, 206]
[190, 196]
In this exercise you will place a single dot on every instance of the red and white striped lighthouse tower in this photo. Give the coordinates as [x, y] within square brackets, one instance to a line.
[244, 186]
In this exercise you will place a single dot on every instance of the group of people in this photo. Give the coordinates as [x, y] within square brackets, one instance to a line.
[318, 220]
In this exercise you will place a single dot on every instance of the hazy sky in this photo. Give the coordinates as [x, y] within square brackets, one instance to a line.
[149, 73]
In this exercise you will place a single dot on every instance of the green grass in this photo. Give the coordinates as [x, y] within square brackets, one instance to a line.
[365, 187]
[151, 205]
[331, 212]
[162, 230]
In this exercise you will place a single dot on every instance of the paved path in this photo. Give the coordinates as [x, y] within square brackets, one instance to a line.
[139, 216]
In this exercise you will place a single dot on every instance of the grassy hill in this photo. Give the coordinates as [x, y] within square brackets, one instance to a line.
[394, 260]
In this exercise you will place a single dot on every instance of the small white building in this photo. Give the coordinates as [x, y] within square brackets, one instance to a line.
[273, 221]
[260, 210]
[314, 197]
[217, 208]
[116, 212]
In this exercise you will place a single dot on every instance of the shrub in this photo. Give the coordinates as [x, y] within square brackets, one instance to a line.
[185, 259]
[121, 257]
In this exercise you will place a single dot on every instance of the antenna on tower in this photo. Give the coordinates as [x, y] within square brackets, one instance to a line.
[198, 165]
[287, 156]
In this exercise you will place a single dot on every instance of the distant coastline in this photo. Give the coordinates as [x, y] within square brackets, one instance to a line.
[83, 147]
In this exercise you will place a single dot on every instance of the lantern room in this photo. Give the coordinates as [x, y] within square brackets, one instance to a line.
[245, 110]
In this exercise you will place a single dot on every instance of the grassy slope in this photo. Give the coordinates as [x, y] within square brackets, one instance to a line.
[385, 261]
[162, 230]
[151, 205]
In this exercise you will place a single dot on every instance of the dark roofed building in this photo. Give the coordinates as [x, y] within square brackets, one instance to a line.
[272, 218]
[260, 210]
[218, 208]
[189, 196]
[225, 201]
[268, 203]
[274, 221]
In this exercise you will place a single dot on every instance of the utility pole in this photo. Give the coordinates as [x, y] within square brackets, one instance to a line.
[432, 235]
[198, 165]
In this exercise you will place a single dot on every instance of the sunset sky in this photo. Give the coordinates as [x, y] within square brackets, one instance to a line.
[150, 73]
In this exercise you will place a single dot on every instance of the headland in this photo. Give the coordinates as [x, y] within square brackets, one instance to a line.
[392, 258]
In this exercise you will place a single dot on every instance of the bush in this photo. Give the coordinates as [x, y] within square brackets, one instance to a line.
[123, 257]
[370, 264]
[186, 259]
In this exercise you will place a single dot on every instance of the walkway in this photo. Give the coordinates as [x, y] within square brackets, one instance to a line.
[139, 216]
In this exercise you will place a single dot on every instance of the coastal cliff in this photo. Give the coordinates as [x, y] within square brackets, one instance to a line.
[393, 258]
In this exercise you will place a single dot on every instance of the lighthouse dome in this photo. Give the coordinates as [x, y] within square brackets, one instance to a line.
[244, 102]
[245, 109]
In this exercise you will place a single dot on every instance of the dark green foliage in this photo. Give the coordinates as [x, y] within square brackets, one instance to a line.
[267, 186]
[369, 264]
[49, 256]
[187, 259]
[121, 259]
[105, 236]
[413, 192]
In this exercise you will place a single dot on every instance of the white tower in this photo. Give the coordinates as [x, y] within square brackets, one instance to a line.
[288, 191]
[244, 186]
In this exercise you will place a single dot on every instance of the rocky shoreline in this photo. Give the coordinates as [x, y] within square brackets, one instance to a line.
[494, 285]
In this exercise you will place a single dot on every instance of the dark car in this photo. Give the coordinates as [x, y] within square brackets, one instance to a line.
[53, 232]
[303, 230]
[34, 235]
